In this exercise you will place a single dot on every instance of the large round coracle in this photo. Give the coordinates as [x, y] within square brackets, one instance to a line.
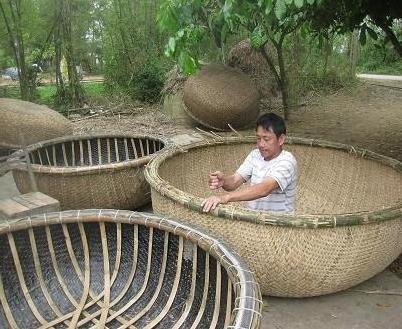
[347, 224]
[219, 96]
[120, 269]
[24, 123]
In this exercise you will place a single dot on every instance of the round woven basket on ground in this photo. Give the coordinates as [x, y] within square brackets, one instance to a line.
[90, 171]
[120, 269]
[220, 95]
[23, 123]
[346, 228]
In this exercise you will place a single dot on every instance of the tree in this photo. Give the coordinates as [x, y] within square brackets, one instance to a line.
[266, 22]
[11, 12]
[345, 16]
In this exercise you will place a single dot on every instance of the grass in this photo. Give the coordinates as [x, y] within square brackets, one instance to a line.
[46, 93]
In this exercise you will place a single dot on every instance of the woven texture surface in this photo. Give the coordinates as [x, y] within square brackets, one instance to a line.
[217, 96]
[23, 123]
[119, 269]
[91, 172]
[290, 259]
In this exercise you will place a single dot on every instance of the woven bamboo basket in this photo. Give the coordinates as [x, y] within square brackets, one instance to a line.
[347, 225]
[24, 123]
[218, 96]
[121, 269]
[90, 171]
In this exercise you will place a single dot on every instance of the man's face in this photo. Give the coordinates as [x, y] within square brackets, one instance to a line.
[268, 144]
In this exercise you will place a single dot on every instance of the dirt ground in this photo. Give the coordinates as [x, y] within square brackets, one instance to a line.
[368, 115]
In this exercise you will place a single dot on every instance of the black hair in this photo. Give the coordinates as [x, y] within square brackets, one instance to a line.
[272, 121]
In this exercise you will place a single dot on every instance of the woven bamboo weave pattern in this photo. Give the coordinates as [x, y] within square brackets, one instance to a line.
[120, 269]
[346, 228]
[24, 123]
[90, 171]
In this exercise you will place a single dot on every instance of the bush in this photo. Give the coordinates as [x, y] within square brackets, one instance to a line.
[147, 83]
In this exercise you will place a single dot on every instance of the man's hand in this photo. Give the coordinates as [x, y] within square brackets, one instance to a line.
[211, 202]
[216, 180]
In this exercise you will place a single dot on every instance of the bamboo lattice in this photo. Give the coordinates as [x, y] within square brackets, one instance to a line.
[121, 269]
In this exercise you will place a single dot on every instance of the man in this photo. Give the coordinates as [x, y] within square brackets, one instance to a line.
[271, 170]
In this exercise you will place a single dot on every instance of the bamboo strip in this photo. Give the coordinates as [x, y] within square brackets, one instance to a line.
[145, 283]
[89, 151]
[155, 147]
[22, 280]
[147, 143]
[109, 158]
[144, 310]
[126, 148]
[106, 276]
[62, 283]
[81, 153]
[128, 283]
[72, 154]
[54, 155]
[118, 254]
[215, 317]
[64, 154]
[141, 147]
[173, 292]
[40, 157]
[48, 158]
[228, 305]
[76, 265]
[204, 294]
[6, 307]
[39, 274]
[134, 148]
[99, 152]
[116, 146]
[190, 299]
[87, 276]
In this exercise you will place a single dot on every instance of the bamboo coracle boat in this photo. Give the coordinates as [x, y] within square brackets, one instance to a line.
[347, 224]
[121, 269]
[97, 171]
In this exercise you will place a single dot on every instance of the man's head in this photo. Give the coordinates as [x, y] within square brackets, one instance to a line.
[271, 133]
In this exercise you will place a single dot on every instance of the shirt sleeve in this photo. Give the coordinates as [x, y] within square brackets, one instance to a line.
[283, 173]
[246, 168]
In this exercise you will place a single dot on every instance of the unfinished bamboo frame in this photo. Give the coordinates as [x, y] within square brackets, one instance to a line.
[111, 268]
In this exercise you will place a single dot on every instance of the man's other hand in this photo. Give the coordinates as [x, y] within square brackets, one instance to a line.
[215, 180]
[211, 202]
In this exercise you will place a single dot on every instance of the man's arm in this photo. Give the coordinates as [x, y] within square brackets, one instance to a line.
[249, 193]
[218, 179]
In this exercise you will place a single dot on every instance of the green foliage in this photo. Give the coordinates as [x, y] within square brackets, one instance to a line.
[378, 56]
[343, 16]
[147, 83]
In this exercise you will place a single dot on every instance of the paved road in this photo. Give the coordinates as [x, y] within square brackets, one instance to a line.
[380, 77]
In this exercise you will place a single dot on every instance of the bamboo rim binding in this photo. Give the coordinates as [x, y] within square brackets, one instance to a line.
[243, 305]
[71, 155]
[272, 218]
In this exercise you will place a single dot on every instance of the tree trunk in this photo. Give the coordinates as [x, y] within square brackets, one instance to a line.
[284, 85]
[75, 90]
[353, 51]
[391, 35]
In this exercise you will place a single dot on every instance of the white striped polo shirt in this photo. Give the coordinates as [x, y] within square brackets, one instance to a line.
[283, 169]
